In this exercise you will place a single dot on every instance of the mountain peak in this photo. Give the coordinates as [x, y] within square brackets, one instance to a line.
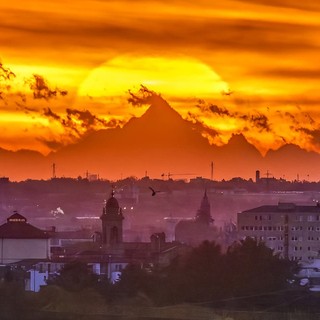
[237, 139]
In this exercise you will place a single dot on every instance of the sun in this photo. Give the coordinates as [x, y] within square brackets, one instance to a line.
[179, 77]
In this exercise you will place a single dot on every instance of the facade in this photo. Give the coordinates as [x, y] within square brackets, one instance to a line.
[19, 241]
[291, 230]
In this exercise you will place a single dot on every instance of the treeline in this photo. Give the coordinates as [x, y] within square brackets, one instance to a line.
[208, 275]
[205, 276]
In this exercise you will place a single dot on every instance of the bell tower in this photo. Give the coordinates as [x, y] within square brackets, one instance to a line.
[112, 218]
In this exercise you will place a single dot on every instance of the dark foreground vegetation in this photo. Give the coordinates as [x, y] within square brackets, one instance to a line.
[246, 282]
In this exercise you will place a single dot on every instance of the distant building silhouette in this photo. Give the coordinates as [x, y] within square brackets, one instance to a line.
[193, 232]
[257, 176]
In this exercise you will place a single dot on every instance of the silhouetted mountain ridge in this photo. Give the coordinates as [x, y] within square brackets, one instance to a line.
[158, 141]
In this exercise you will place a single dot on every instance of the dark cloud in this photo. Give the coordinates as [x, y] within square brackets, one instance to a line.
[86, 118]
[80, 122]
[313, 134]
[51, 144]
[142, 97]
[26, 109]
[47, 112]
[212, 108]
[309, 118]
[77, 124]
[261, 122]
[200, 126]
[6, 73]
[41, 90]
[258, 120]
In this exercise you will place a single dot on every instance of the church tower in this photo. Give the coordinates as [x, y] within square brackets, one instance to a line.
[203, 214]
[112, 222]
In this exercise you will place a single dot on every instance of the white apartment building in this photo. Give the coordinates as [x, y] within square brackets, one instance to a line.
[291, 230]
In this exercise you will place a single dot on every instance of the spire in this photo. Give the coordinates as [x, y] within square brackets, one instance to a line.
[203, 214]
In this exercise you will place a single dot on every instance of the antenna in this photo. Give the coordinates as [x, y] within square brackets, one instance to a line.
[211, 170]
[53, 171]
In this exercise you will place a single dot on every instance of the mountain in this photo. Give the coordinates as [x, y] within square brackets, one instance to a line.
[238, 158]
[292, 162]
[24, 164]
[160, 141]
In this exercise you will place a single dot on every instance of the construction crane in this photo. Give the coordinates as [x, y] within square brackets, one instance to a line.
[169, 175]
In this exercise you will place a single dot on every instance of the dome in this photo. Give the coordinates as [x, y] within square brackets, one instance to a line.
[112, 205]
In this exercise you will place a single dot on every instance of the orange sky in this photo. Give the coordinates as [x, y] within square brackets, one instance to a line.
[235, 66]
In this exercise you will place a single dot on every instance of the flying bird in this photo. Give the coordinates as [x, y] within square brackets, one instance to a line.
[153, 191]
[227, 93]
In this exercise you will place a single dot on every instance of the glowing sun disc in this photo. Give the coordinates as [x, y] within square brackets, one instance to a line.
[179, 77]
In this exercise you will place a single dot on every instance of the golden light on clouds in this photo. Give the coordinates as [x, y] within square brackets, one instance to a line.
[253, 64]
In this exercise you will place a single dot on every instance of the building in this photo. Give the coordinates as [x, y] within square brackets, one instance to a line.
[157, 251]
[112, 218]
[291, 230]
[20, 241]
[195, 231]
[24, 247]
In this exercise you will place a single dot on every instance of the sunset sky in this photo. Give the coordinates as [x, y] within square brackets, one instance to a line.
[248, 67]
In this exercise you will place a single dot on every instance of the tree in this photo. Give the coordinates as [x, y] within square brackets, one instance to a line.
[198, 276]
[133, 280]
[253, 268]
[75, 276]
